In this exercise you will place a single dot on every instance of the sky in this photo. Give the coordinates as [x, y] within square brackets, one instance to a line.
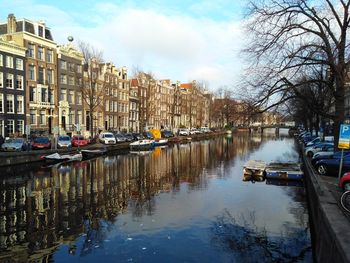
[179, 40]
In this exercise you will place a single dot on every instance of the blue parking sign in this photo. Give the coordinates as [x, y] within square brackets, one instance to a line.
[344, 136]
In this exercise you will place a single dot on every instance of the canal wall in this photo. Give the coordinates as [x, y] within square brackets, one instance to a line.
[330, 228]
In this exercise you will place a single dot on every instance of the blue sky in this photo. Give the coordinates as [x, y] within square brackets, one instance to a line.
[177, 40]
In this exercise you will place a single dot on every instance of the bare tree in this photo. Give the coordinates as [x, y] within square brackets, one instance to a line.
[291, 36]
[93, 84]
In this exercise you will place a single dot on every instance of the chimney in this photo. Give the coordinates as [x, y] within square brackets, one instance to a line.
[11, 24]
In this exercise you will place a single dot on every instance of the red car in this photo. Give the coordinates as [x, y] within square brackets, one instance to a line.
[344, 182]
[41, 143]
[79, 140]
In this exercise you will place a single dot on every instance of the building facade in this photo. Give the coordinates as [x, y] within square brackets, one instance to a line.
[41, 71]
[12, 89]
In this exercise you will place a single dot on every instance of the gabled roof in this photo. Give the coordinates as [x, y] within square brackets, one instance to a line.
[186, 86]
[134, 83]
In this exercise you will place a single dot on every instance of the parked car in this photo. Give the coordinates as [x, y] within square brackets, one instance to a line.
[64, 141]
[318, 140]
[322, 155]
[119, 137]
[14, 144]
[205, 130]
[79, 141]
[331, 166]
[184, 132]
[107, 138]
[194, 131]
[167, 134]
[129, 137]
[41, 143]
[344, 182]
[322, 146]
[137, 136]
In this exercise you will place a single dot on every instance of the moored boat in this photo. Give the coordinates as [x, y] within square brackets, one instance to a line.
[57, 158]
[286, 171]
[254, 169]
[144, 144]
[160, 142]
[93, 153]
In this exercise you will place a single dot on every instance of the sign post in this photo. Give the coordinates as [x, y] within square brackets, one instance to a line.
[343, 143]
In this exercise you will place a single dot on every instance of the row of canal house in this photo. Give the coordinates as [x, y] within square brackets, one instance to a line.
[42, 90]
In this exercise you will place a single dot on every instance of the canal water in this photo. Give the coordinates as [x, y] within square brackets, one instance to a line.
[181, 203]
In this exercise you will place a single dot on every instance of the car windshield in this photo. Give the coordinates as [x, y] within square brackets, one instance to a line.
[41, 140]
[78, 138]
[14, 140]
[109, 135]
[64, 138]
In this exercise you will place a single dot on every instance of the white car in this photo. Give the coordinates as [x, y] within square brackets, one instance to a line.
[107, 138]
[320, 147]
[184, 132]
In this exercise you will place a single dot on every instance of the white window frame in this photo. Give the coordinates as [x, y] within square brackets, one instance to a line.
[41, 55]
[49, 56]
[20, 126]
[2, 128]
[11, 123]
[34, 72]
[1, 60]
[1, 80]
[21, 79]
[19, 64]
[9, 61]
[34, 119]
[10, 77]
[20, 104]
[42, 117]
[10, 98]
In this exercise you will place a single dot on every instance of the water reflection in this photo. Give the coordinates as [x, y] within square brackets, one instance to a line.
[77, 205]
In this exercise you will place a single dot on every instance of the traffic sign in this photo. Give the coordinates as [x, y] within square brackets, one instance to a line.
[344, 136]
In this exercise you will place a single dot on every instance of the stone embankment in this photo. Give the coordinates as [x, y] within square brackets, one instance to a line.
[24, 157]
[330, 225]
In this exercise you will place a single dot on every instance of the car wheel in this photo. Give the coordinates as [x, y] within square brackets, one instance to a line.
[322, 169]
[310, 154]
[346, 186]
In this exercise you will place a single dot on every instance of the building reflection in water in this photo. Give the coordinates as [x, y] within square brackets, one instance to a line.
[44, 207]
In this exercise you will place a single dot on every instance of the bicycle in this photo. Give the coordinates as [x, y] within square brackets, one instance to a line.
[345, 201]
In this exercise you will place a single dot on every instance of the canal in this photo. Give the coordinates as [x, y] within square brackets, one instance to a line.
[181, 203]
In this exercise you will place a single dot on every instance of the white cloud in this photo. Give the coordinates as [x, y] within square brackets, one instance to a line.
[178, 47]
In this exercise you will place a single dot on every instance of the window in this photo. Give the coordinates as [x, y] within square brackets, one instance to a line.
[9, 103]
[9, 62]
[1, 61]
[41, 75]
[43, 95]
[78, 100]
[42, 118]
[63, 95]
[1, 103]
[50, 96]
[50, 76]
[9, 81]
[20, 126]
[20, 105]
[19, 63]
[79, 68]
[41, 31]
[10, 126]
[32, 117]
[71, 80]
[80, 117]
[49, 56]
[19, 82]
[30, 50]
[63, 64]
[63, 79]
[71, 67]
[107, 105]
[71, 117]
[40, 53]
[31, 72]
[1, 80]
[32, 94]
[71, 96]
